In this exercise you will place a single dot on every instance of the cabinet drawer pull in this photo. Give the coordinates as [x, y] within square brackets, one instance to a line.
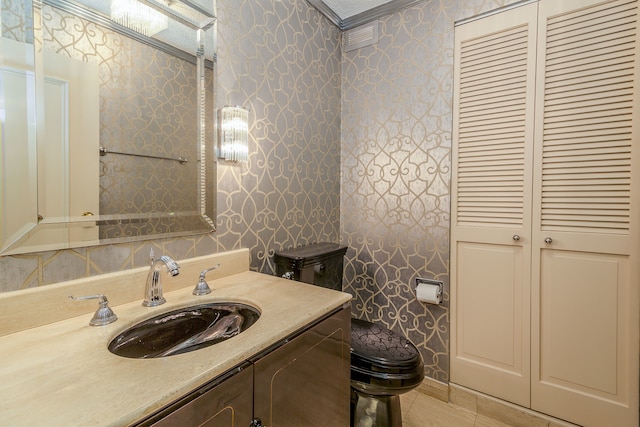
[548, 240]
[516, 237]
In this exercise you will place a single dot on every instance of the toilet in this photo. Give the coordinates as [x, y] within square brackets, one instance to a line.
[384, 364]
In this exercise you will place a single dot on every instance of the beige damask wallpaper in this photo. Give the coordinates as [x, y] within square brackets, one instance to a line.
[396, 144]
[281, 60]
[345, 146]
[148, 106]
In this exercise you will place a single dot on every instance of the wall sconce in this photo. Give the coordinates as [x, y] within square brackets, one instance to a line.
[138, 17]
[233, 141]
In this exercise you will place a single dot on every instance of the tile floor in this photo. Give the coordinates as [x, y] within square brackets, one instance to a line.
[422, 410]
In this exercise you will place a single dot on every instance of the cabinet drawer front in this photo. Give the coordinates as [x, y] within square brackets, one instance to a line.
[313, 367]
[228, 404]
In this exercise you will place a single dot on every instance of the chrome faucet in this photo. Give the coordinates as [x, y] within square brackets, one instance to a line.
[153, 289]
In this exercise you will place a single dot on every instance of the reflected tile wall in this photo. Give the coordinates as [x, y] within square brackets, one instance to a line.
[396, 145]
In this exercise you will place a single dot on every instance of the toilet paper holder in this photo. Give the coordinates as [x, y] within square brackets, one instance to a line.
[431, 282]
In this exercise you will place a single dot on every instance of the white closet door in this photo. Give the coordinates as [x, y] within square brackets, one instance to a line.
[585, 236]
[491, 217]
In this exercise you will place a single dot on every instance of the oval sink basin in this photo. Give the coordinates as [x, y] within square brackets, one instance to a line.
[183, 330]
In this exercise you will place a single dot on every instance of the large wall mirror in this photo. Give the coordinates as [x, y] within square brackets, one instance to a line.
[106, 121]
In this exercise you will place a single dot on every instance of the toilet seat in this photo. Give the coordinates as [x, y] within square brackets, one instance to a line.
[383, 362]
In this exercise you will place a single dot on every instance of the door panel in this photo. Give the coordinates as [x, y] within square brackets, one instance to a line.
[585, 302]
[490, 232]
[18, 184]
[580, 320]
[492, 340]
[584, 365]
[572, 204]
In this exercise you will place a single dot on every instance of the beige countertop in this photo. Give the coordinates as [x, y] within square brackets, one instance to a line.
[62, 374]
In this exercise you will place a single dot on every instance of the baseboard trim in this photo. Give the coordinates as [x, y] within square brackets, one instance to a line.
[434, 388]
[488, 406]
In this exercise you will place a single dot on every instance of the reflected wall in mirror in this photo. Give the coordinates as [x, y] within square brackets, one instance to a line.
[107, 135]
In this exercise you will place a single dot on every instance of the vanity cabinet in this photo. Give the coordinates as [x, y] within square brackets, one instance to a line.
[228, 403]
[302, 381]
[306, 381]
[545, 243]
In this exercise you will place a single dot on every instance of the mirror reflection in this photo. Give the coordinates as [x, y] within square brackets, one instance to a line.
[106, 134]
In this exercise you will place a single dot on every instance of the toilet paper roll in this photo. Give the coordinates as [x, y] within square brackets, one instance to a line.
[429, 293]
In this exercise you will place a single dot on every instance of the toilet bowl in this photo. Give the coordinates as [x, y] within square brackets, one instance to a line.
[384, 364]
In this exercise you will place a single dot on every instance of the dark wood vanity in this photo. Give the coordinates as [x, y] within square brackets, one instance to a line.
[300, 381]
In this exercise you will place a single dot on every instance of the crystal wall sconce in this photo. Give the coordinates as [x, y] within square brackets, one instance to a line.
[138, 17]
[233, 141]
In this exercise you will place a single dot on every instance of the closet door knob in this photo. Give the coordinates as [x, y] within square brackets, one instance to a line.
[548, 240]
[516, 237]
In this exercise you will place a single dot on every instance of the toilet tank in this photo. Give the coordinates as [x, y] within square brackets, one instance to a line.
[319, 264]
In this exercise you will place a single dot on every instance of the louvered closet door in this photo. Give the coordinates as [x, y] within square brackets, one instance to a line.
[586, 275]
[491, 217]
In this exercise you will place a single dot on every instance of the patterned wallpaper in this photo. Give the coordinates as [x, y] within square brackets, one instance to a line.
[16, 17]
[148, 105]
[396, 141]
[351, 147]
[281, 60]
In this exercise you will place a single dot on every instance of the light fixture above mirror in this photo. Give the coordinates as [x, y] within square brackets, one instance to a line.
[138, 17]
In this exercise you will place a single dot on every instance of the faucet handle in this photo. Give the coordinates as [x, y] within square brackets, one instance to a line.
[103, 315]
[202, 288]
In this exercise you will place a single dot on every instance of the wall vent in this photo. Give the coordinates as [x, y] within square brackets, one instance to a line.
[362, 36]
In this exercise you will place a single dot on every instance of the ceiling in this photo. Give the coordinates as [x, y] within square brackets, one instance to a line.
[347, 14]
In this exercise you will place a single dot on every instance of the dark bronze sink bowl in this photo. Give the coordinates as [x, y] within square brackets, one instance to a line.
[184, 330]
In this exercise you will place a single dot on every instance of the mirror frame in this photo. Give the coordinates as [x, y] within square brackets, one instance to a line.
[207, 170]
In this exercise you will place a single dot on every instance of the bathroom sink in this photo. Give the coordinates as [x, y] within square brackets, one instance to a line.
[183, 330]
